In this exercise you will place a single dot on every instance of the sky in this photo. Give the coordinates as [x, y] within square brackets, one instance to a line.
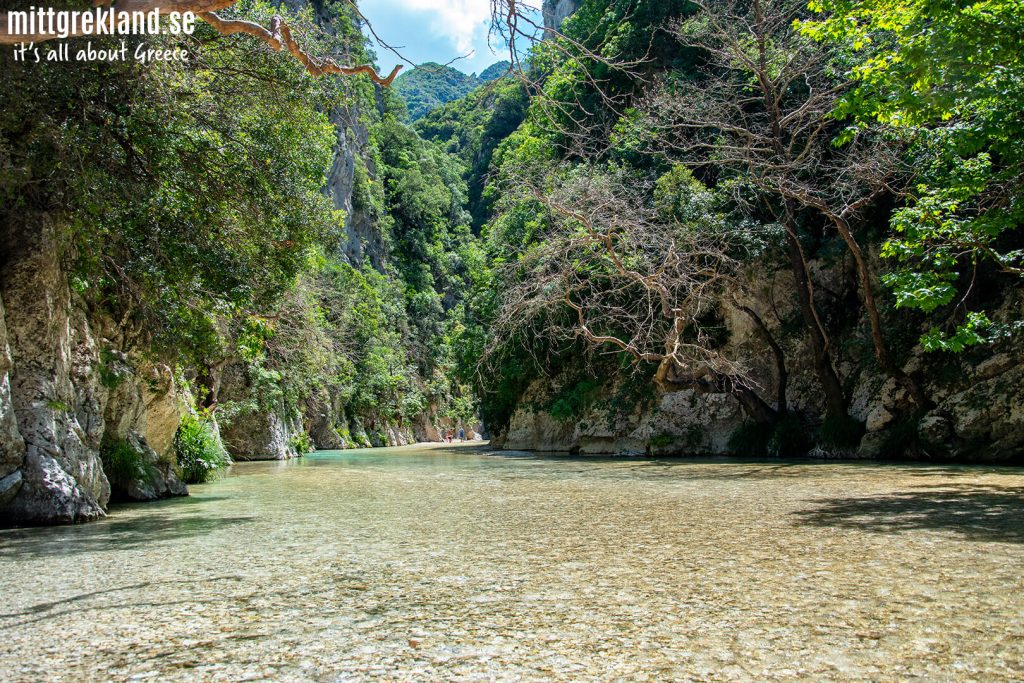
[434, 31]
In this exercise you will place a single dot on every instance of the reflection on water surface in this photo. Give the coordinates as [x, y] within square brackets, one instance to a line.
[441, 563]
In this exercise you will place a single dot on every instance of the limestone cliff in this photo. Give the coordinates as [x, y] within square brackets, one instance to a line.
[12, 446]
[557, 11]
[58, 416]
[257, 431]
[977, 412]
[75, 384]
[60, 399]
[251, 428]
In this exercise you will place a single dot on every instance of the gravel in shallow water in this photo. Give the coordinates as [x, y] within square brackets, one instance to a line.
[445, 563]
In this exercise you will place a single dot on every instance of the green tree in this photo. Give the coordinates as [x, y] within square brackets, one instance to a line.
[949, 76]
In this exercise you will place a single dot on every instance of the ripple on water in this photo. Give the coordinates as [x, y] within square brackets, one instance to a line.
[441, 563]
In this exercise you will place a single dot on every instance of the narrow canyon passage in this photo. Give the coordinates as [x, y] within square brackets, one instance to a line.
[459, 563]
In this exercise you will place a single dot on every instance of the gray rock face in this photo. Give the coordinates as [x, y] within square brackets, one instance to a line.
[326, 422]
[259, 436]
[147, 400]
[268, 436]
[12, 446]
[689, 423]
[425, 430]
[64, 389]
[331, 427]
[143, 409]
[9, 487]
[557, 11]
[979, 411]
[363, 239]
[538, 431]
[52, 392]
[161, 480]
[253, 433]
[680, 423]
[57, 400]
[986, 418]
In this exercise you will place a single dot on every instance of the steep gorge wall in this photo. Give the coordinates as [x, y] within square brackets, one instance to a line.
[55, 410]
[72, 382]
[978, 396]
[58, 416]
[557, 11]
[272, 434]
[12, 446]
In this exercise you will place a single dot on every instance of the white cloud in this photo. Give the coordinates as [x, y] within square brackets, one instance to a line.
[461, 21]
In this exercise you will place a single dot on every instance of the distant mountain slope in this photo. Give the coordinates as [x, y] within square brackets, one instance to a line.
[495, 71]
[472, 127]
[431, 85]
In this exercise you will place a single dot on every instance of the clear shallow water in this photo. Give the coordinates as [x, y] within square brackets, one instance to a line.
[444, 563]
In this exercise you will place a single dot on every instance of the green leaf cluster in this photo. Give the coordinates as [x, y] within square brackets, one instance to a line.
[949, 77]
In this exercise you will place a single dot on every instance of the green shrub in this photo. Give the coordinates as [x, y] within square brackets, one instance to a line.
[200, 454]
[112, 373]
[751, 439]
[785, 438]
[123, 464]
[573, 401]
[661, 441]
[790, 438]
[57, 405]
[301, 443]
[841, 432]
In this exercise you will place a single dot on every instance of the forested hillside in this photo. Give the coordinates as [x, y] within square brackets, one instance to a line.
[430, 85]
[747, 228]
[755, 228]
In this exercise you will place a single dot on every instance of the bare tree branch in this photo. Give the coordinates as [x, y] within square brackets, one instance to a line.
[278, 36]
[615, 273]
[761, 111]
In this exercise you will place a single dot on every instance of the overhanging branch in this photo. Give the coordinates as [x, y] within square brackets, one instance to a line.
[278, 36]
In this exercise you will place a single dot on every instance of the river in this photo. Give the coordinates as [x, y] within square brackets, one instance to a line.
[458, 563]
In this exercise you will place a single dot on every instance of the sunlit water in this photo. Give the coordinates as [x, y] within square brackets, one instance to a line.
[446, 563]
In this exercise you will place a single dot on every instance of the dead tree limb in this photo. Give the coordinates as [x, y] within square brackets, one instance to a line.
[278, 36]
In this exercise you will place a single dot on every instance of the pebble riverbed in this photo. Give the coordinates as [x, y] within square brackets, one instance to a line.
[457, 563]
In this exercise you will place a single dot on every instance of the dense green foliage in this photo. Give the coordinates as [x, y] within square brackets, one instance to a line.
[896, 131]
[471, 129]
[122, 463]
[191, 193]
[509, 139]
[948, 76]
[432, 85]
[200, 455]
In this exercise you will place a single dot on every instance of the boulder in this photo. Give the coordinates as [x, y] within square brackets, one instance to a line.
[161, 480]
[253, 433]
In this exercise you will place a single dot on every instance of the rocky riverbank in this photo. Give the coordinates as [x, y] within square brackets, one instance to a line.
[977, 411]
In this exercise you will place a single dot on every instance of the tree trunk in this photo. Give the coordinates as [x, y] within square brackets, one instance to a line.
[709, 382]
[753, 405]
[782, 376]
[835, 398]
[864, 274]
